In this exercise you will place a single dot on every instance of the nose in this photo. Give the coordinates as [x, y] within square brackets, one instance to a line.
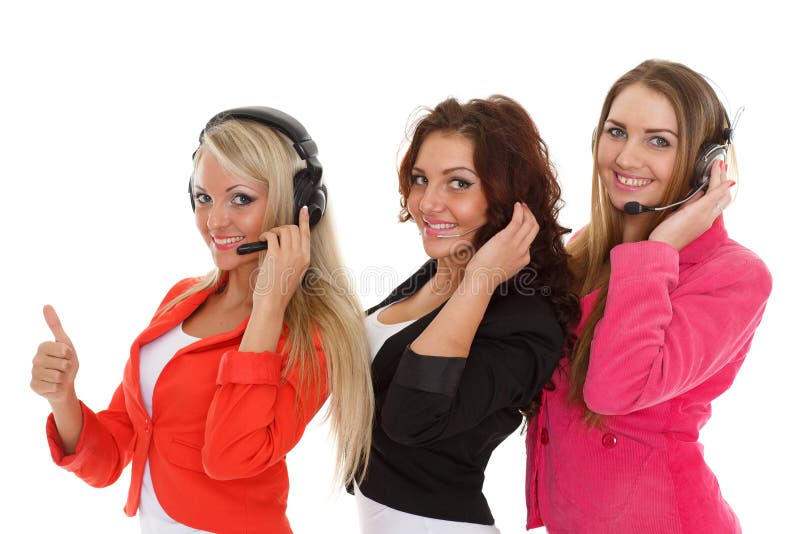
[629, 156]
[217, 217]
[431, 200]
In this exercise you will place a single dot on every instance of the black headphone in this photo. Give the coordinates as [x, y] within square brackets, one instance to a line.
[308, 187]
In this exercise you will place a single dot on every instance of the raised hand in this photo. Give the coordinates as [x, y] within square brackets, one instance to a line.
[285, 263]
[696, 216]
[55, 364]
[508, 251]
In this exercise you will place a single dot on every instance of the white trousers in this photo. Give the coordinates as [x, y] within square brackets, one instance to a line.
[375, 518]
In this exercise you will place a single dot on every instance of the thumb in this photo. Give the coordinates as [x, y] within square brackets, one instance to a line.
[51, 317]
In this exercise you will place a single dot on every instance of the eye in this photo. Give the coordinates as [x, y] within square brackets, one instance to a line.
[619, 133]
[660, 142]
[202, 198]
[419, 180]
[459, 184]
[241, 199]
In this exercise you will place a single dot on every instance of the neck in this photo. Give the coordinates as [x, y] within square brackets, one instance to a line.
[237, 291]
[449, 273]
[634, 226]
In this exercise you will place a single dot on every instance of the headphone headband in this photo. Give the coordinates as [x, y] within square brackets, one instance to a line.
[308, 187]
[305, 147]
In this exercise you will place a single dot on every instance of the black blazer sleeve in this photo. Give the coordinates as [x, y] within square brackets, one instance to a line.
[515, 351]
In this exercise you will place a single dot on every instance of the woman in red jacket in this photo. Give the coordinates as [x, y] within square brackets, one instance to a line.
[222, 383]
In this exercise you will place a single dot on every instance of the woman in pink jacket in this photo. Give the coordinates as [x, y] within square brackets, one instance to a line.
[670, 305]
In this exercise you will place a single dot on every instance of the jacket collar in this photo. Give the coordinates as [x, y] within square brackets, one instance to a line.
[410, 286]
[180, 312]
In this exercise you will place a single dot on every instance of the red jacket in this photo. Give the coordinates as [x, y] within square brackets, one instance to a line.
[222, 423]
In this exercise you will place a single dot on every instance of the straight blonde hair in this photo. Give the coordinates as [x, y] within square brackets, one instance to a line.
[701, 119]
[324, 305]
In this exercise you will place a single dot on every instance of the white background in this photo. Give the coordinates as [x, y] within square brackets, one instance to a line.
[102, 104]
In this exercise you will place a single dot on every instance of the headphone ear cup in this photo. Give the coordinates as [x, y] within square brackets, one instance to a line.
[709, 153]
[311, 193]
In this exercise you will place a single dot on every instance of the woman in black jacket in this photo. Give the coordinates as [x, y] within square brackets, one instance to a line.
[463, 347]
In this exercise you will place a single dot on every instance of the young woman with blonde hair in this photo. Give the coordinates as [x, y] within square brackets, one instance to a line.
[221, 384]
[670, 306]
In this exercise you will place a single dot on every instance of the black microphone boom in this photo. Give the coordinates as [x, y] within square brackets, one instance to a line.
[249, 248]
[634, 208]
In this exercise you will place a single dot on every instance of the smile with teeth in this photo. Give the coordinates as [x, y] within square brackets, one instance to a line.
[633, 182]
[440, 226]
[227, 240]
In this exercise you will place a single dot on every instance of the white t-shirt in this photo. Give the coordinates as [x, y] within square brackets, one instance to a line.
[154, 356]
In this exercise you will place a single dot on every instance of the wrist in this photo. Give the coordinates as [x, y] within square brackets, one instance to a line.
[482, 280]
[68, 400]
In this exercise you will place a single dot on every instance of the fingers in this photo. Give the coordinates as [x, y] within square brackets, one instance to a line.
[272, 240]
[718, 196]
[716, 174]
[528, 227]
[53, 371]
[54, 323]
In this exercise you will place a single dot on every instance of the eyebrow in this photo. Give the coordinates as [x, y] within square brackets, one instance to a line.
[448, 171]
[649, 130]
[229, 189]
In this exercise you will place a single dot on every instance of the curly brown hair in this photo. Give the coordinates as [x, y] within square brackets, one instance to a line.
[513, 164]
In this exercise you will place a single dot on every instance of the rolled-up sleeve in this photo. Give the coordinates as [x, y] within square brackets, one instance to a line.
[511, 358]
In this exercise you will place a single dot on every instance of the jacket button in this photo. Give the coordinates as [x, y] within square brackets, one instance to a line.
[147, 425]
[545, 437]
[609, 441]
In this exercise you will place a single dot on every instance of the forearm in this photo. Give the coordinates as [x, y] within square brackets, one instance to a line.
[69, 421]
[264, 329]
[452, 331]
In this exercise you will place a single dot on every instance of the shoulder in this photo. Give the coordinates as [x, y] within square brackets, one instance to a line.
[181, 287]
[733, 264]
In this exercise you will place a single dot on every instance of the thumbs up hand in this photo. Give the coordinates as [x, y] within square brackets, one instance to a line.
[55, 364]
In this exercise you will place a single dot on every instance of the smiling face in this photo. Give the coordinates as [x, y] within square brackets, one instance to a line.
[446, 198]
[638, 147]
[230, 211]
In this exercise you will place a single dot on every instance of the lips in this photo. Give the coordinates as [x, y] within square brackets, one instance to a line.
[225, 242]
[631, 183]
[435, 227]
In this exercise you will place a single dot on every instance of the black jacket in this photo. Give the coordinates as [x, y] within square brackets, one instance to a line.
[439, 419]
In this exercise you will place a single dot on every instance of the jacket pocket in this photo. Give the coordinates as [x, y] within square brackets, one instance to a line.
[185, 450]
[604, 476]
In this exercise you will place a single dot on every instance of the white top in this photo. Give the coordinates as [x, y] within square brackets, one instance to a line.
[154, 356]
[378, 332]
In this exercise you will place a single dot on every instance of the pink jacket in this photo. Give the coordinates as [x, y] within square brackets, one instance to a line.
[676, 328]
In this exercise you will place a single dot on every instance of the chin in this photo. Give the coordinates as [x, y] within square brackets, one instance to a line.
[459, 251]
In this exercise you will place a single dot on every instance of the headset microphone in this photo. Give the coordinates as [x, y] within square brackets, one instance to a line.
[634, 208]
[462, 234]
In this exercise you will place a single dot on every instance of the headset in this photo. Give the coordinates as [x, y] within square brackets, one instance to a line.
[308, 187]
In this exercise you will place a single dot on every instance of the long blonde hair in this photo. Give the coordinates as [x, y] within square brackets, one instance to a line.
[325, 304]
[701, 118]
